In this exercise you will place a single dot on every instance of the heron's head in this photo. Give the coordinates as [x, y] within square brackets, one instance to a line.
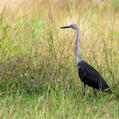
[72, 26]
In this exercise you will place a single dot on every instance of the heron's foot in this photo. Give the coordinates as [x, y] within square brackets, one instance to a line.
[95, 94]
[83, 94]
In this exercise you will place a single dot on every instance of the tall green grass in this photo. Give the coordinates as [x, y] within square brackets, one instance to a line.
[38, 73]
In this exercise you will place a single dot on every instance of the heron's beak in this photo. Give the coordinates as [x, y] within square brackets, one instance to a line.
[65, 27]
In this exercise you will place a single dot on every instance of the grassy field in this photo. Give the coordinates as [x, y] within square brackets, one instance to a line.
[38, 73]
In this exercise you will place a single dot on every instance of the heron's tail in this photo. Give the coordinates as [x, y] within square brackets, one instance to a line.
[108, 91]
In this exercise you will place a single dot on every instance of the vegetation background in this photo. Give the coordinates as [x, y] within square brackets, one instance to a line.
[38, 73]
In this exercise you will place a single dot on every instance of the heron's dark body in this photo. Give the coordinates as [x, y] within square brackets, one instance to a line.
[91, 77]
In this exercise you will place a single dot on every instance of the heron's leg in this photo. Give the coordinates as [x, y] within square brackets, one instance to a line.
[94, 92]
[84, 89]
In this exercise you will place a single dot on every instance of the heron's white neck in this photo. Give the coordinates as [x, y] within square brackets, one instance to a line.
[77, 47]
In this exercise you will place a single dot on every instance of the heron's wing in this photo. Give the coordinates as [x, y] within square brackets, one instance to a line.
[91, 77]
